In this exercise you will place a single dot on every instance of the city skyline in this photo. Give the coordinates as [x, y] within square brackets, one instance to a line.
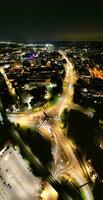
[51, 121]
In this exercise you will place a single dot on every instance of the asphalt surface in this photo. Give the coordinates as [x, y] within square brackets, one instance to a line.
[65, 161]
[18, 181]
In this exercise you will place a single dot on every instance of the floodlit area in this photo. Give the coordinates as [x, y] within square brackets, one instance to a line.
[51, 117]
[16, 179]
[61, 144]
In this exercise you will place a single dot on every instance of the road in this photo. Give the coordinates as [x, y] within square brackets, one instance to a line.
[65, 161]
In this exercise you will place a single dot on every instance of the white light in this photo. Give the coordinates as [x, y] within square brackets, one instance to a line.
[2, 151]
[6, 157]
[1, 119]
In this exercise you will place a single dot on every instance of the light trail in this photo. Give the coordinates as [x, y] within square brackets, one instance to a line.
[70, 165]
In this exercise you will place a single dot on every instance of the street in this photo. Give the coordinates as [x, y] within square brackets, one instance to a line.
[65, 161]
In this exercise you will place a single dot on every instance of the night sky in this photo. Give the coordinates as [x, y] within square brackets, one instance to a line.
[51, 20]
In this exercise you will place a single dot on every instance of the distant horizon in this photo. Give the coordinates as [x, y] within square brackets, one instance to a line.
[47, 41]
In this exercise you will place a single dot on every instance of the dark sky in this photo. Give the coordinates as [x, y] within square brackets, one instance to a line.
[51, 20]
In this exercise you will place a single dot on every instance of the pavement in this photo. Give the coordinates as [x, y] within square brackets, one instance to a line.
[18, 181]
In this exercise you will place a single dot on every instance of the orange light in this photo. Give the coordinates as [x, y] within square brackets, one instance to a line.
[97, 73]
